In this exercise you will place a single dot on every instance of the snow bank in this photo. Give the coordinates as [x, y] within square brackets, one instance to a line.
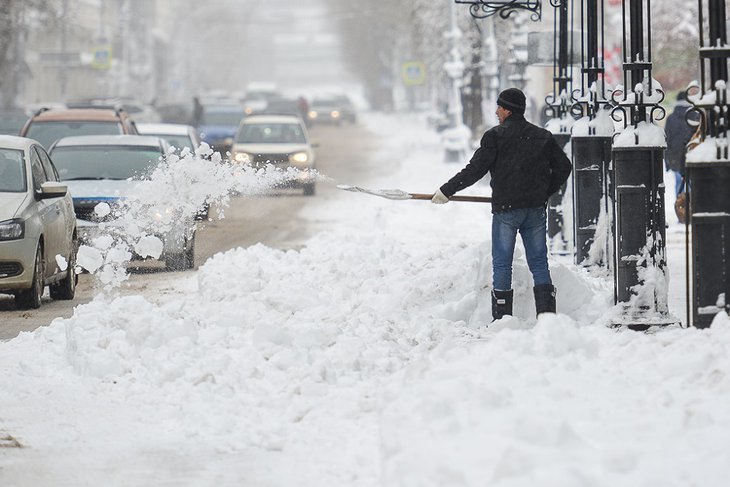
[362, 360]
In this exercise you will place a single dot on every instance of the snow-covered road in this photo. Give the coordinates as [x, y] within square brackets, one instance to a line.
[360, 360]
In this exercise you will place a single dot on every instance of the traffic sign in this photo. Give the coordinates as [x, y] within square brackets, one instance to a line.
[414, 73]
[102, 57]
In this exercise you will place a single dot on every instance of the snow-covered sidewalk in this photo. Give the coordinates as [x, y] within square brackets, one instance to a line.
[360, 361]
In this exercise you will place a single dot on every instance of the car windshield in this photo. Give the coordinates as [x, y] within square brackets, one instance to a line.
[104, 162]
[177, 141]
[12, 171]
[324, 103]
[271, 133]
[48, 132]
[222, 118]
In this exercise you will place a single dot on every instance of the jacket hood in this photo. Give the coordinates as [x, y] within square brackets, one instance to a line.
[12, 204]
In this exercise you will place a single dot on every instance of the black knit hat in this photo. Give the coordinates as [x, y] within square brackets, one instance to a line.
[513, 100]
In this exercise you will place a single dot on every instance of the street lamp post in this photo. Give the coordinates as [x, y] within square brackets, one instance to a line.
[558, 108]
[456, 138]
[640, 281]
[591, 145]
[708, 173]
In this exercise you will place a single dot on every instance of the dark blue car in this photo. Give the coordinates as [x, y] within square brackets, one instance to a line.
[218, 125]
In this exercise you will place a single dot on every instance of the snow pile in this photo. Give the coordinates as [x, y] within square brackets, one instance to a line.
[362, 360]
[601, 126]
[645, 134]
[711, 149]
[563, 405]
[648, 92]
[560, 125]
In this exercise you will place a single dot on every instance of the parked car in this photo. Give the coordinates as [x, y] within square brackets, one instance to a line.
[218, 123]
[325, 111]
[47, 126]
[178, 135]
[37, 225]
[106, 169]
[281, 140]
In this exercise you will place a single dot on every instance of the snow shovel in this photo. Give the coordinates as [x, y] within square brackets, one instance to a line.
[398, 194]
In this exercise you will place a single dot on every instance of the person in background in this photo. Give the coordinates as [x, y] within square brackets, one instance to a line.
[527, 166]
[678, 134]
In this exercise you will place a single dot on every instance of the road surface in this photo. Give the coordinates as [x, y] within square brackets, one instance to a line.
[272, 220]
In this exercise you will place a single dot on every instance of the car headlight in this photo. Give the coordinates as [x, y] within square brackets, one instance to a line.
[299, 158]
[12, 230]
[242, 157]
[248, 110]
[312, 114]
[335, 114]
[162, 214]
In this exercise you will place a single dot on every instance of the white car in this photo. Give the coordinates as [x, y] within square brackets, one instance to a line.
[280, 140]
[37, 225]
[178, 135]
[107, 169]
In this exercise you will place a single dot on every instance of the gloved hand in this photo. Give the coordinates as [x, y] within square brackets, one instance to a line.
[439, 198]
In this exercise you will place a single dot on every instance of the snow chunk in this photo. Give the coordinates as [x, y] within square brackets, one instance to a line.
[61, 262]
[102, 209]
[149, 246]
[89, 258]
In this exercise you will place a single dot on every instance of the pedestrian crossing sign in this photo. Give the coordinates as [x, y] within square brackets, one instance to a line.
[414, 73]
[102, 57]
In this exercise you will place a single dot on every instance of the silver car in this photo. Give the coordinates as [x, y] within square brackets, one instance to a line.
[37, 225]
[108, 169]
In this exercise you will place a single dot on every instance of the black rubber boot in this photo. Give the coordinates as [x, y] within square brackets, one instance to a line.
[501, 303]
[544, 298]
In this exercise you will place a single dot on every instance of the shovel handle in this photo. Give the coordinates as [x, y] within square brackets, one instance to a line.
[472, 199]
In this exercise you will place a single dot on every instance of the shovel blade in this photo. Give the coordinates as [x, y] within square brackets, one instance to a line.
[391, 194]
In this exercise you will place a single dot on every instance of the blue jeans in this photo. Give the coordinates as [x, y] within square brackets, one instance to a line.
[530, 223]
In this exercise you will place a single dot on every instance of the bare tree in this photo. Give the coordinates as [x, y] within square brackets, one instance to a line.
[675, 43]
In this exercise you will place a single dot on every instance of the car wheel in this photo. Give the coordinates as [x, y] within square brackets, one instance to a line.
[190, 254]
[309, 189]
[182, 261]
[31, 298]
[66, 289]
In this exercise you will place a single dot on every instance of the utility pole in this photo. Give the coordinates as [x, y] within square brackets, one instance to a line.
[455, 138]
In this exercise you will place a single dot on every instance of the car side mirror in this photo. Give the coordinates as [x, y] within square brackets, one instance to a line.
[52, 189]
[314, 144]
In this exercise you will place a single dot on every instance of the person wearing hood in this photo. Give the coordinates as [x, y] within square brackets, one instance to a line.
[678, 133]
[526, 165]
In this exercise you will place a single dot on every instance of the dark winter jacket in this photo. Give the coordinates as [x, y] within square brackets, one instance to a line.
[526, 164]
[678, 135]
